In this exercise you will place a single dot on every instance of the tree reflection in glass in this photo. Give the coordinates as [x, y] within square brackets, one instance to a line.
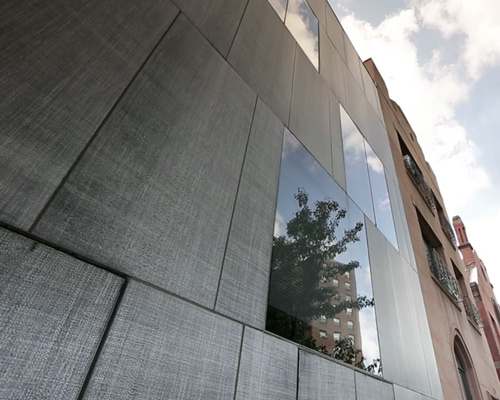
[311, 275]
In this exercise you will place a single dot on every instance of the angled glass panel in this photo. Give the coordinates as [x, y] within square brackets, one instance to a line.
[280, 7]
[356, 168]
[303, 25]
[381, 202]
[320, 272]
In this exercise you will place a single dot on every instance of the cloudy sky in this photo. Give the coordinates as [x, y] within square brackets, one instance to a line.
[441, 62]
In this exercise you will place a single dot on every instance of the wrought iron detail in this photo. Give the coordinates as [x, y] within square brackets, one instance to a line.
[446, 226]
[473, 312]
[443, 274]
[419, 181]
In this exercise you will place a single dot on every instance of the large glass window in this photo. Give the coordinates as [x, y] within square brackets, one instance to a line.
[365, 178]
[302, 24]
[380, 195]
[319, 235]
[356, 168]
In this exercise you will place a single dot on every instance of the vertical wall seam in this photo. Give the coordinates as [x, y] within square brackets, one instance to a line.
[298, 374]
[275, 209]
[102, 341]
[237, 30]
[239, 363]
[235, 201]
[97, 131]
[291, 86]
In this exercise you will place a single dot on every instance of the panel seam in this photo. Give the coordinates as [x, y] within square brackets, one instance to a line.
[65, 178]
[102, 342]
[235, 201]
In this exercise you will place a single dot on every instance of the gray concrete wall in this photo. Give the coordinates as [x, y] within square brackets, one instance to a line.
[140, 146]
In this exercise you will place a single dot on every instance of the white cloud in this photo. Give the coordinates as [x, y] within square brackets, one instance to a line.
[428, 94]
[477, 21]
[279, 225]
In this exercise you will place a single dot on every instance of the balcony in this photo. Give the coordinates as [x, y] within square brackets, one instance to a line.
[419, 181]
[443, 275]
[473, 312]
[447, 229]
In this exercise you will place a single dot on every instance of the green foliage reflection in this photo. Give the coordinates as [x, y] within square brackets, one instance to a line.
[303, 267]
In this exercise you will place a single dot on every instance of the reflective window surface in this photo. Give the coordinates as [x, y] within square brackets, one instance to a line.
[280, 7]
[365, 178]
[303, 25]
[319, 235]
[380, 195]
[356, 168]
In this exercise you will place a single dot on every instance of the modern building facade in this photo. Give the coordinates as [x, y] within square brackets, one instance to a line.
[186, 189]
[482, 289]
[465, 367]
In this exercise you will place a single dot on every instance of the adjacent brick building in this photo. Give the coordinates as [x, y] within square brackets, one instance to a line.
[482, 289]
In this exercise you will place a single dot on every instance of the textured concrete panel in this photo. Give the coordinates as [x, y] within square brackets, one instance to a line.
[391, 345]
[335, 31]
[330, 67]
[263, 54]
[62, 66]
[355, 102]
[161, 347]
[352, 60]
[309, 115]
[318, 8]
[245, 274]
[371, 92]
[402, 275]
[401, 393]
[337, 147]
[217, 20]
[154, 194]
[320, 378]
[53, 312]
[427, 345]
[268, 368]
[368, 388]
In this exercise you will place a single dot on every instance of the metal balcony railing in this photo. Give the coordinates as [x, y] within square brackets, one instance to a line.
[446, 226]
[473, 312]
[419, 181]
[443, 274]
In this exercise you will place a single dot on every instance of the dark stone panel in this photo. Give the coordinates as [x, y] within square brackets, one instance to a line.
[153, 196]
[401, 393]
[161, 347]
[268, 368]
[320, 378]
[371, 91]
[53, 312]
[330, 67]
[388, 323]
[318, 8]
[355, 101]
[217, 20]
[368, 388]
[335, 31]
[352, 61]
[337, 147]
[402, 276]
[62, 67]
[263, 54]
[245, 275]
[309, 117]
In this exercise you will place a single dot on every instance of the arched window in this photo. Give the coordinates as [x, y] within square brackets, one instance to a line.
[463, 378]
[465, 371]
